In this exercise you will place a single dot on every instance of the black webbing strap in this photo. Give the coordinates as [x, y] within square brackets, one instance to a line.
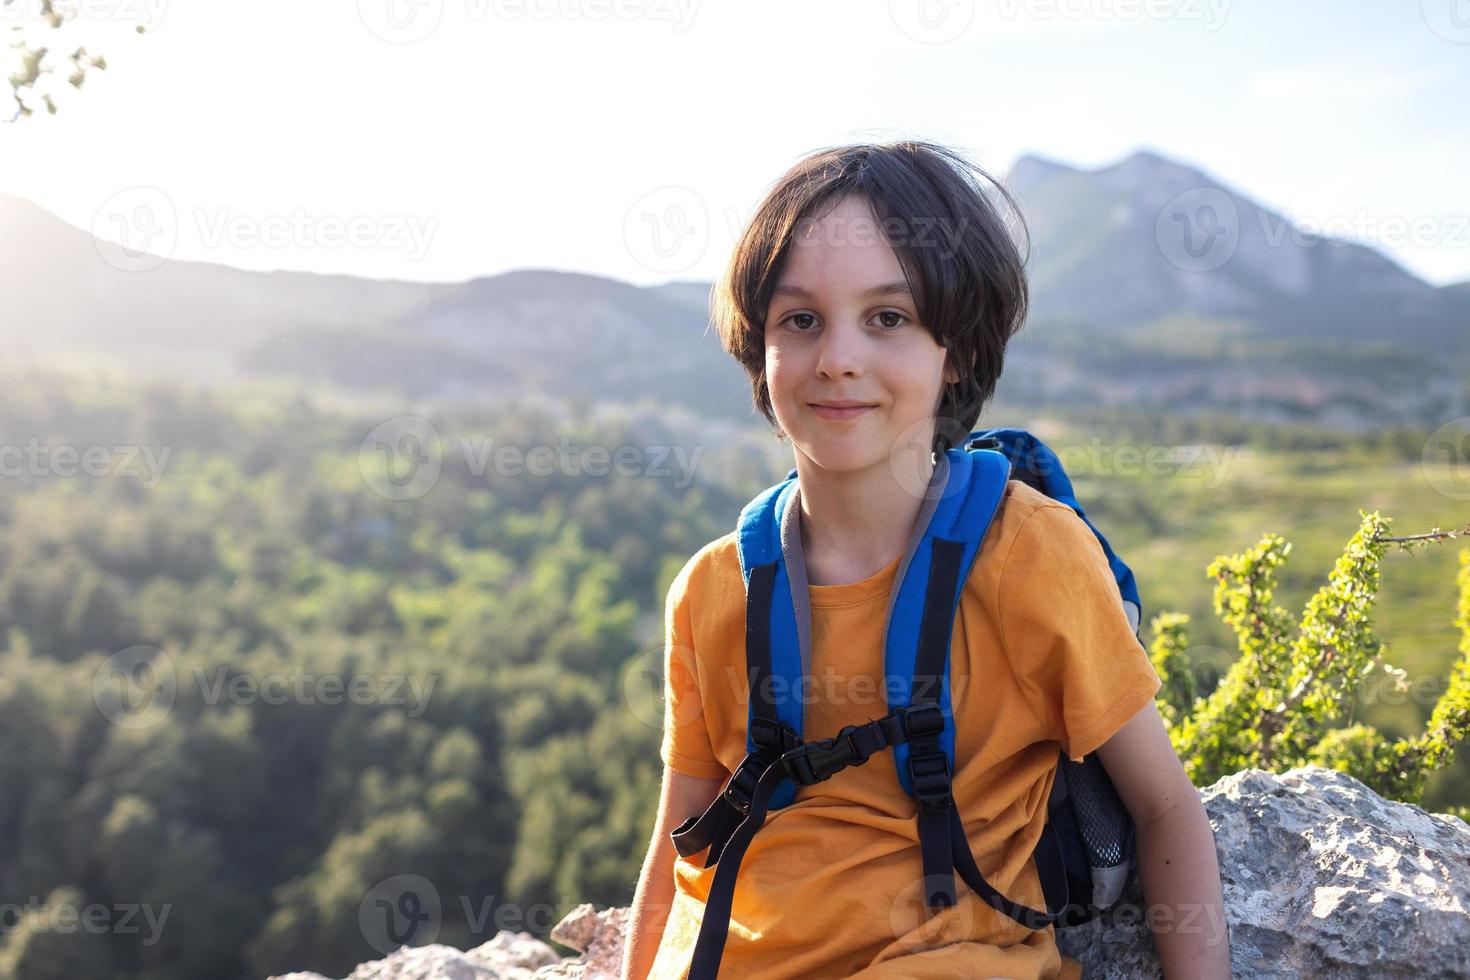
[758, 597]
[713, 827]
[709, 829]
[807, 763]
[1049, 870]
[812, 762]
[929, 767]
[770, 734]
[942, 841]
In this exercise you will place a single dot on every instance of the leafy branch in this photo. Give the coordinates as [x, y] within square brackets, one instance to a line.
[1273, 707]
[33, 58]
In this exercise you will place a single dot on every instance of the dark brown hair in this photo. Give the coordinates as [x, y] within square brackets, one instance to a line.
[962, 265]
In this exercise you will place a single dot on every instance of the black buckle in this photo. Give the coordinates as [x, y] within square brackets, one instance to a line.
[740, 790]
[813, 762]
[923, 719]
[930, 775]
[773, 736]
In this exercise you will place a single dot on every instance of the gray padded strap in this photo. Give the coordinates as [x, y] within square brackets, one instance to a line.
[938, 480]
[796, 576]
[796, 562]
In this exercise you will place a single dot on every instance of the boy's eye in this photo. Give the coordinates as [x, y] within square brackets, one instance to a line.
[889, 325]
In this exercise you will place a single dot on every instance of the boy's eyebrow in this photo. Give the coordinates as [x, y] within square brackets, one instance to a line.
[887, 289]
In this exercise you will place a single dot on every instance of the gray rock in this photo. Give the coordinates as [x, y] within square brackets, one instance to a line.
[508, 956]
[1322, 878]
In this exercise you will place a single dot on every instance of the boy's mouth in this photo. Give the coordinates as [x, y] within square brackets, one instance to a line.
[837, 411]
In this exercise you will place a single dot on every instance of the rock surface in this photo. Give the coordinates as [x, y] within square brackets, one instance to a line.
[510, 955]
[1323, 878]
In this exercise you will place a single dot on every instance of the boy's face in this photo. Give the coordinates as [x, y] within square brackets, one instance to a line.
[830, 340]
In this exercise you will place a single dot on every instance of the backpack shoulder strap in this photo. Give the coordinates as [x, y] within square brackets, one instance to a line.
[775, 654]
[957, 512]
[958, 508]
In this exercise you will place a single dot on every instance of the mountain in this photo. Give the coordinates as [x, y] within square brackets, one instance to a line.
[1157, 286]
[1458, 296]
[529, 332]
[1149, 237]
[1154, 287]
[65, 289]
[605, 339]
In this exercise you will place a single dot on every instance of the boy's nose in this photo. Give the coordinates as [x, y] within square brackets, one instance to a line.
[840, 351]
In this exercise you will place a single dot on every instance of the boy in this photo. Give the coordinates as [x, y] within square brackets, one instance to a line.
[871, 301]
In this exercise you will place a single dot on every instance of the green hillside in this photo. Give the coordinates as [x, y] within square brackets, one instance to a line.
[352, 673]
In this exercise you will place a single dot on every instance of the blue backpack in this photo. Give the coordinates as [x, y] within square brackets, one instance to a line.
[1085, 855]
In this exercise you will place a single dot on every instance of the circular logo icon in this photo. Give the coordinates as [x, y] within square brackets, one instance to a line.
[1199, 229]
[401, 459]
[135, 687]
[912, 460]
[136, 229]
[644, 690]
[932, 21]
[400, 21]
[918, 929]
[667, 230]
[1450, 19]
[403, 910]
[1198, 678]
[1446, 459]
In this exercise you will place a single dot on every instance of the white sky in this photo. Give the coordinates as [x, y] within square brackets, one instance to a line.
[586, 134]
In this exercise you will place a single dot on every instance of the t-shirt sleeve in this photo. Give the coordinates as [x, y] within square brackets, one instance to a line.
[1066, 633]
[686, 746]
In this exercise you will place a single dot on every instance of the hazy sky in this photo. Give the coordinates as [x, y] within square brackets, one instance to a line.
[447, 139]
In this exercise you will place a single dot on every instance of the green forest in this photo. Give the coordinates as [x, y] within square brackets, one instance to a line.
[353, 673]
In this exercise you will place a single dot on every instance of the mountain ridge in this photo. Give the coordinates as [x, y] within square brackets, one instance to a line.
[1112, 260]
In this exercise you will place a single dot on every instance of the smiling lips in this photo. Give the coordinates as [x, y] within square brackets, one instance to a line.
[837, 411]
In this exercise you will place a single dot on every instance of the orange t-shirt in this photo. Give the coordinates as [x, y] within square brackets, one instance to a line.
[1042, 659]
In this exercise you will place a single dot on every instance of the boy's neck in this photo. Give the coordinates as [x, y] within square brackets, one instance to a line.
[854, 524]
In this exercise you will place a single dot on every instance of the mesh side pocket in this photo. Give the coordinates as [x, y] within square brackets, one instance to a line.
[1105, 827]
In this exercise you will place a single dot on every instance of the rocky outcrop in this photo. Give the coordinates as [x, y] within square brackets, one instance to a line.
[510, 955]
[1323, 878]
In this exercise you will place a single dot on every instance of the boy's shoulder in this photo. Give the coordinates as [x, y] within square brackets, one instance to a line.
[719, 560]
[707, 596]
[1021, 501]
[718, 556]
[710, 581]
[1051, 526]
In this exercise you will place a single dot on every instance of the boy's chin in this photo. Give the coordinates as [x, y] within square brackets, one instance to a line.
[845, 455]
